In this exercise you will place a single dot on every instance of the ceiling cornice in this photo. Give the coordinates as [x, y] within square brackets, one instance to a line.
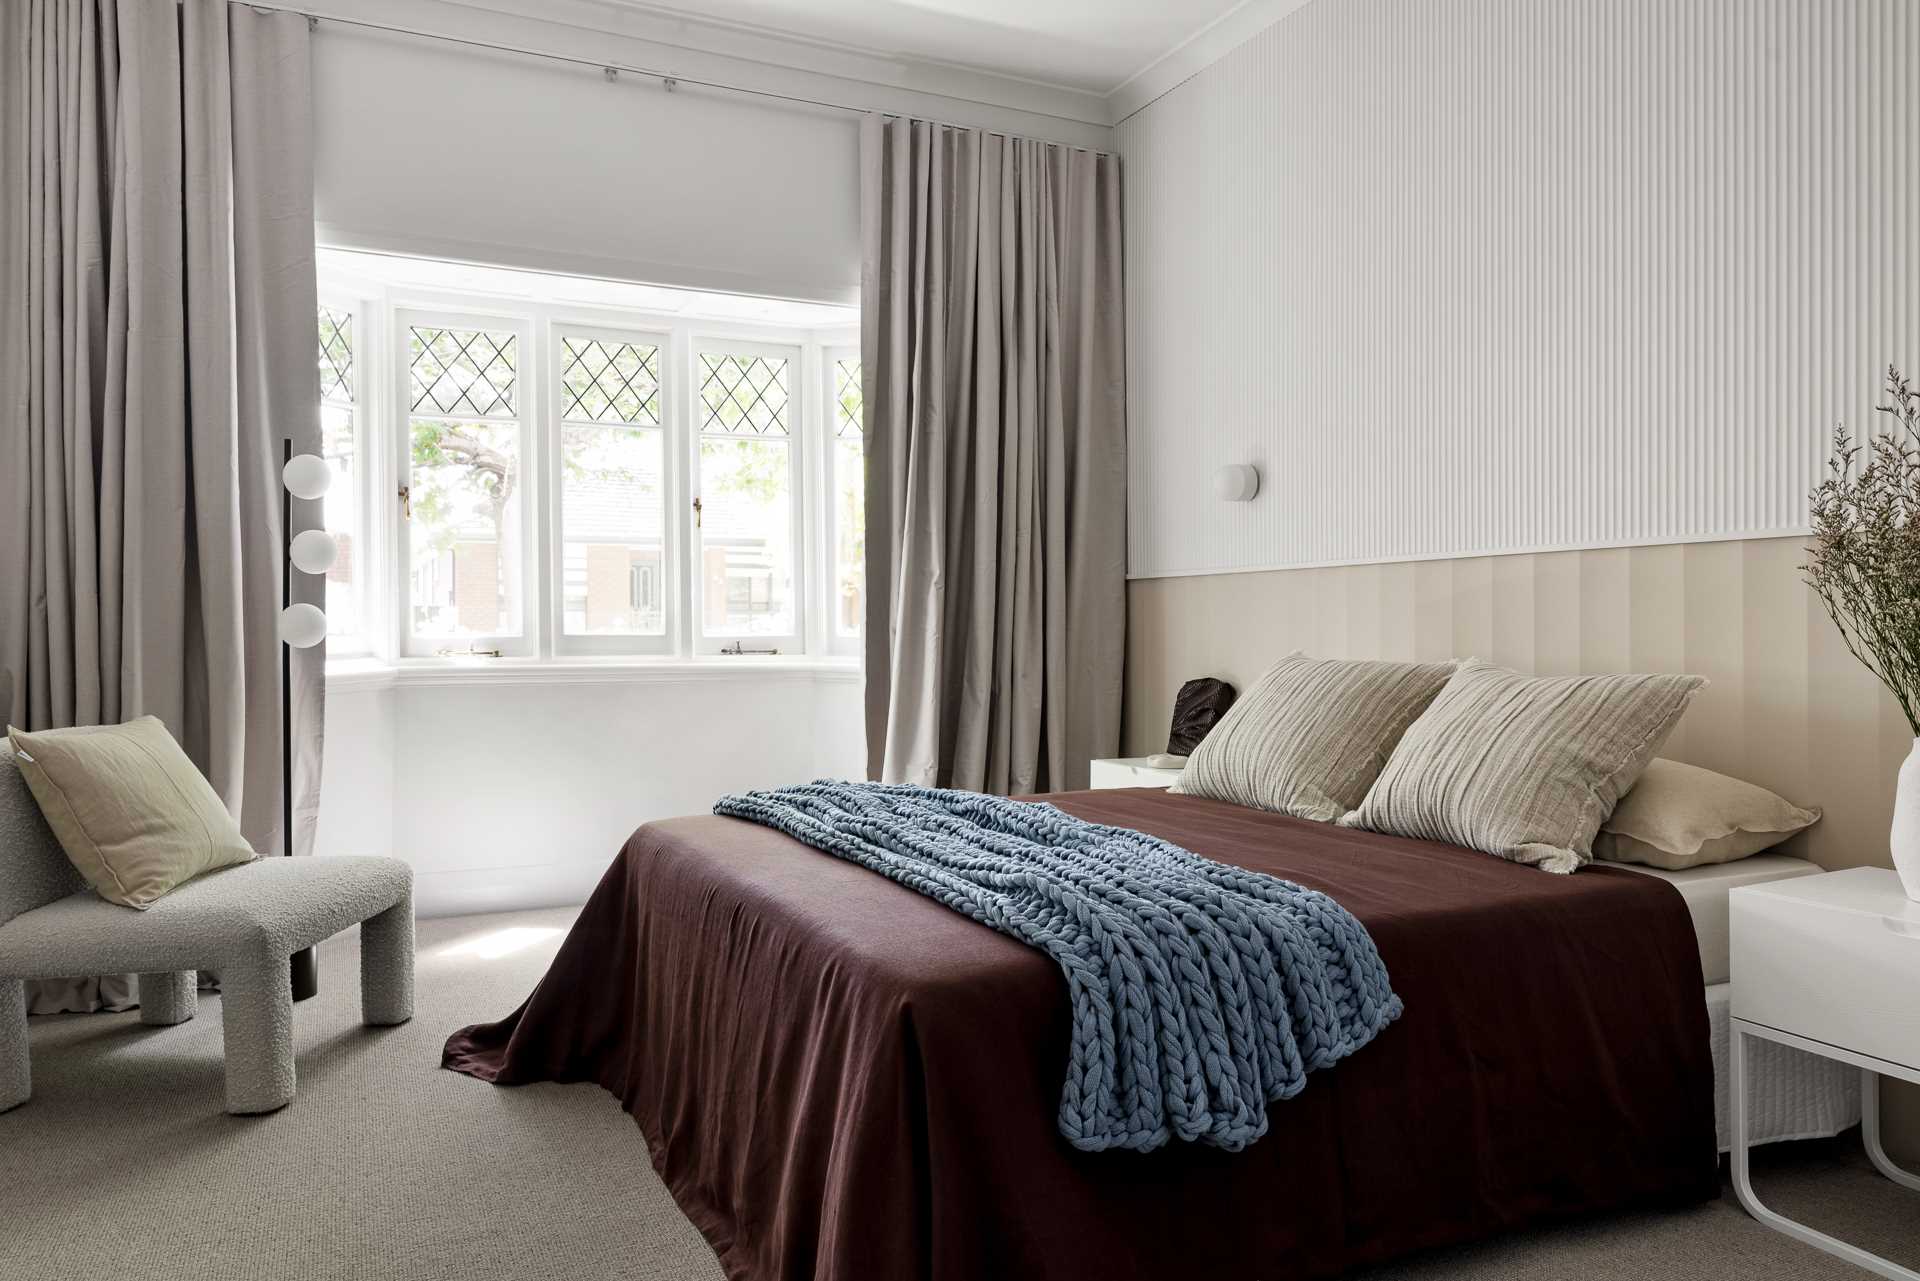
[965, 73]
[691, 39]
[762, 60]
[1201, 49]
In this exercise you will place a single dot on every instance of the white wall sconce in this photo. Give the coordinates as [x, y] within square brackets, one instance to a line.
[1237, 482]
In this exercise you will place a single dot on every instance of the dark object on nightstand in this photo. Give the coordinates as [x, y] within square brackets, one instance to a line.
[1197, 708]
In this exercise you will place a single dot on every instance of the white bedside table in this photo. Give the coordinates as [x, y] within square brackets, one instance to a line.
[1132, 771]
[1831, 965]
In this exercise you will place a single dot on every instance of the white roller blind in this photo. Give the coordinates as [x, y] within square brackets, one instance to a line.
[432, 148]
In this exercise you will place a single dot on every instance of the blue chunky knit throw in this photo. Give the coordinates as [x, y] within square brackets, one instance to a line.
[1200, 992]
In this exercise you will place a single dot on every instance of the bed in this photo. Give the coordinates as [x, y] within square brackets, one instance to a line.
[840, 1079]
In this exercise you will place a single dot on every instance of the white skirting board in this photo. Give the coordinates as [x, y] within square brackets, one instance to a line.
[1796, 1095]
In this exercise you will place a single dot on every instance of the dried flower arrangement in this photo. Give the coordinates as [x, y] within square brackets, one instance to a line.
[1863, 560]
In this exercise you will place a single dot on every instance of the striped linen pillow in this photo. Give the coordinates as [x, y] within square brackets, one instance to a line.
[1523, 767]
[1311, 734]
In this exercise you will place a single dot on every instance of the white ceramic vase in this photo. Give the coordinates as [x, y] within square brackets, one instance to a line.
[1906, 823]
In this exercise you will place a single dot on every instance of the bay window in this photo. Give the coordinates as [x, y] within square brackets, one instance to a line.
[550, 478]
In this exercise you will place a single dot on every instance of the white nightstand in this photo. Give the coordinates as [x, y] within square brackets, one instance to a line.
[1831, 965]
[1133, 771]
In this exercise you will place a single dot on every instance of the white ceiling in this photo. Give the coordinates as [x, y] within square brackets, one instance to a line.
[1087, 45]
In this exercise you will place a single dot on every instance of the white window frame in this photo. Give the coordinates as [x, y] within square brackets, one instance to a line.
[830, 640]
[365, 380]
[530, 381]
[671, 503]
[793, 642]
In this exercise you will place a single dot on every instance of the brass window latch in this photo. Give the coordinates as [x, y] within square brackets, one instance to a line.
[738, 649]
[696, 513]
[406, 502]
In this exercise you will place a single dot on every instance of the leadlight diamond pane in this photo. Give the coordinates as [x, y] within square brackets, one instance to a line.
[610, 382]
[336, 356]
[743, 395]
[847, 420]
[468, 373]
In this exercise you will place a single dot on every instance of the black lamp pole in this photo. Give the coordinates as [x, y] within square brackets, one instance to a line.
[305, 965]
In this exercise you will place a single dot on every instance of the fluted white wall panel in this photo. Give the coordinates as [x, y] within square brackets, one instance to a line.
[1470, 276]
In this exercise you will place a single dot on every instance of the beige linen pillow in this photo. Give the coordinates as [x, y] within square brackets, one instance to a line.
[1311, 734]
[128, 807]
[1679, 816]
[1523, 767]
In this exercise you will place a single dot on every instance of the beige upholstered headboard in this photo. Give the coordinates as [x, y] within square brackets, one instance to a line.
[1788, 707]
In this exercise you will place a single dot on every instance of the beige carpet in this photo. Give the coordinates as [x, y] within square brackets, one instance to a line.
[123, 1165]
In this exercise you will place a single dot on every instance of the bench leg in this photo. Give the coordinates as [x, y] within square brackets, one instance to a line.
[16, 1080]
[256, 1022]
[386, 965]
[169, 997]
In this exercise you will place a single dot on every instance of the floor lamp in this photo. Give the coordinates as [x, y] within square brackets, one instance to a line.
[302, 626]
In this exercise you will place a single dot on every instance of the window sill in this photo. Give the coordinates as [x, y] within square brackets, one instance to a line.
[359, 674]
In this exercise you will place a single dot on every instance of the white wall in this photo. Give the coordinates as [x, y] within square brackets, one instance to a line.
[505, 794]
[357, 773]
[1469, 276]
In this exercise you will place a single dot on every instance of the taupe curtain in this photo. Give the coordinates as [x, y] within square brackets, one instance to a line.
[157, 343]
[993, 363]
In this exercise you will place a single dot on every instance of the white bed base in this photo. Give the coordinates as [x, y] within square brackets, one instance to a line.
[1791, 1094]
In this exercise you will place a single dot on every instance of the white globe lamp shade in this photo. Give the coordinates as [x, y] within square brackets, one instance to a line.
[307, 475]
[303, 626]
[313, 551]
[1237, 482]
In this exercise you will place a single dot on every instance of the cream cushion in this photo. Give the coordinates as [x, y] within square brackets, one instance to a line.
[1523, 767]
[128, 807]
[1311, 735]
[1679, 816]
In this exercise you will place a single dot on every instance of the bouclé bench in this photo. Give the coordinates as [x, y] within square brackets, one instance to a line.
[242, 922]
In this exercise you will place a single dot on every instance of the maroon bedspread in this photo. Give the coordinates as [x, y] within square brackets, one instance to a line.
[843, 1080]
